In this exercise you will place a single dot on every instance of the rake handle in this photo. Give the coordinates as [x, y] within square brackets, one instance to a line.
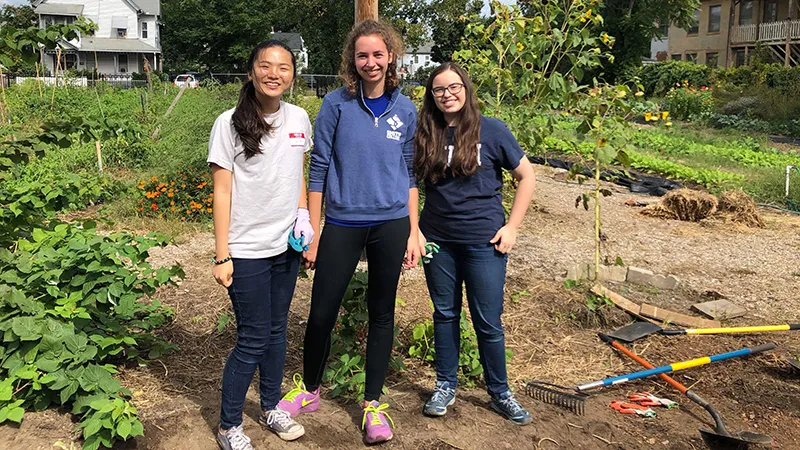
[676, 366]
[642, 362]
[729, 330]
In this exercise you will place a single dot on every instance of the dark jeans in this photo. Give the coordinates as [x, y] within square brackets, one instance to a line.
[339, 250]
[261, 293]
[483, 270]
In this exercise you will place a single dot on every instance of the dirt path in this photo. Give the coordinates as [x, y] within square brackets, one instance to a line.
[552, 335]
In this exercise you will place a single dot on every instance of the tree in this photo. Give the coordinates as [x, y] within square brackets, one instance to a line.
[408, 17]
[446, 19]
[18, 18]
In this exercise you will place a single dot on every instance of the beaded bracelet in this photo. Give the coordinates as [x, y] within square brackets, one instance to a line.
[221, 261]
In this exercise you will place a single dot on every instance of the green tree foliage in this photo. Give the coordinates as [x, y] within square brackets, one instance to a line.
[448, 25]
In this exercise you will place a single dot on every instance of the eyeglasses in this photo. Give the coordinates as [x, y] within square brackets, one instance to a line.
[453, 89]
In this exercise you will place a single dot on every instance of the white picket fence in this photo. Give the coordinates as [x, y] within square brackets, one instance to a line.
[61, 81]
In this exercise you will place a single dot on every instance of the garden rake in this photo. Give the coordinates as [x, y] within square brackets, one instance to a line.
[574, 399]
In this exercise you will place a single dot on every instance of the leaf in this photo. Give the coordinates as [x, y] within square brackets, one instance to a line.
[67, 392]
[137, 429]
[15, 414]
[605, 192]
[222, 321]
[91, 428]
[124, 429]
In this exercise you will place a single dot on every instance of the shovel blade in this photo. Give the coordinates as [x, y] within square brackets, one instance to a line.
[635, 331]
[738, 441]
[794, 363]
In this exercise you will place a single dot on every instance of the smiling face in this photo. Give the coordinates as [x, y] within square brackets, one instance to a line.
[272, 72]
[449, 93]
[372, 59]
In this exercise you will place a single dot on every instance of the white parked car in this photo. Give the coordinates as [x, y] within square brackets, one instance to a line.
[186, 80]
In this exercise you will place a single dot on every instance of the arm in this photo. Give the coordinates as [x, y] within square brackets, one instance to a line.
[413, 251]
[223, 180]
[506, 237]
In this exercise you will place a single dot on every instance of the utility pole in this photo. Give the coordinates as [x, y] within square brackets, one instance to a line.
[366, 9]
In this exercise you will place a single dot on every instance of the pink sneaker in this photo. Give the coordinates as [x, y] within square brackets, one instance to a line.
[376, 423]
[299, 400]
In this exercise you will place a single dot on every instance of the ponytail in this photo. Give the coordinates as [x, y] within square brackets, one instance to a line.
[248, 121]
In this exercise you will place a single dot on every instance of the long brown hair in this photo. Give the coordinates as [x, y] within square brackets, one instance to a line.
[394, 44]
[248, 120]
[430, 141]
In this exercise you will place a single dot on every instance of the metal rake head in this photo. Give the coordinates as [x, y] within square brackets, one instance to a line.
[554, 394]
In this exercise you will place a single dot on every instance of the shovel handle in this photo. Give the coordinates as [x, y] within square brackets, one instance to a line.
[642, 362]
[675, 366]
[758, 329]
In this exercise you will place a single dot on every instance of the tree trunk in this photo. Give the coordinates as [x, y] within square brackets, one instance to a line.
[366, 9]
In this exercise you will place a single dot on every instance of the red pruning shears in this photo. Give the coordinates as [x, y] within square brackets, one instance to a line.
[648, 399]
[632, 408]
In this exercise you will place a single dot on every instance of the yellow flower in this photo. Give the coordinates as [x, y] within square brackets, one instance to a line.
[605, 39]
[588, 14]
[669, 124]
[664, 115]
[639, 94]
[583, 19]
[647, 116]
[520, 47]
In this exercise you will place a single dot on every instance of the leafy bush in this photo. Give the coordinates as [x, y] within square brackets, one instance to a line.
[658, 78]
[71, 303]
[188, 194]
[685, 101]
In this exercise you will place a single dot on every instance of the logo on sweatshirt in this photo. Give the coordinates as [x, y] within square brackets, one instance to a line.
[394, 122]
[393, 135]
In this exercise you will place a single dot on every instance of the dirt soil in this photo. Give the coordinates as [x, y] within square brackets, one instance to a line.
[548, 327]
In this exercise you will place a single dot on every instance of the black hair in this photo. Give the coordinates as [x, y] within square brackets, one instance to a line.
[248, 121]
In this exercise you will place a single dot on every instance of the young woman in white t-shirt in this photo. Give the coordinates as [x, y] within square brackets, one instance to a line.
[256, 153]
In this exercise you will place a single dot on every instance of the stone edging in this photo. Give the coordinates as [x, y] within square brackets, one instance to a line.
[621, 273]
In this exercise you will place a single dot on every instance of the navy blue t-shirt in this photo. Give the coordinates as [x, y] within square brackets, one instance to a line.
[377, 105]
[469, 210]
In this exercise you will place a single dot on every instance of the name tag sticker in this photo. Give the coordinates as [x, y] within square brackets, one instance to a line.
[394, 135]
[297, 139]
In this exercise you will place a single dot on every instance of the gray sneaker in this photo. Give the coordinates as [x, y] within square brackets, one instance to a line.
[510, 408]
[281, 423]
[234, 439]
[443, 396]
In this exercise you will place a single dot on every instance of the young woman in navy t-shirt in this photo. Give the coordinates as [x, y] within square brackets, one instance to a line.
[460, 156]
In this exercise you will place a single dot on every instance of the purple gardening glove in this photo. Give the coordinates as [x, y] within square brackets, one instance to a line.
[302, 227]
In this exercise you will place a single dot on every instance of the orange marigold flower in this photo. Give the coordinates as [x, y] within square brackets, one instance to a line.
[170, 195]
[209, 209]
[154, 207]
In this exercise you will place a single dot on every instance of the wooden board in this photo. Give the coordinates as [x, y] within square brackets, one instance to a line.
[666, 315]
[620, 301]
[720, 309]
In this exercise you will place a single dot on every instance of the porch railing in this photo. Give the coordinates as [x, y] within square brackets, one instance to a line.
[770, 31]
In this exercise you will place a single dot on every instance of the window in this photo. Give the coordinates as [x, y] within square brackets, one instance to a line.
[691, 57]
[746, 12]
[663, 27]
[740, 58]
[714, 15]
[712, 59]
[122, 32]
[676, 57]
[695, 23]
[144, 30]
[416, 59]
[771, 11]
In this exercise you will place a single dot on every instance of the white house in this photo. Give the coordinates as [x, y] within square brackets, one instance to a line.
[298, 46]
[127, 32]
[416, 59]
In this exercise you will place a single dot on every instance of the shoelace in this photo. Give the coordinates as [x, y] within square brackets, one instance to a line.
[237, 438]
[512, 404]
[297, 390]
[440, 393]
[280, 417]
[376, 411]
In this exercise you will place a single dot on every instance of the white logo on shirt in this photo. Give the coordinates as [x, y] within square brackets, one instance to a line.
[394, 135]
[394, 122]
[450, 154]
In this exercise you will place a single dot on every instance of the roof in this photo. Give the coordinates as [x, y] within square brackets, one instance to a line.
[293, 40]
[423, 49]
[59, 9]
[91, 43]
[150, 7]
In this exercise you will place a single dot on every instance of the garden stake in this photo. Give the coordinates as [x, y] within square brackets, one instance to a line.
[720, 438]
[574, 398]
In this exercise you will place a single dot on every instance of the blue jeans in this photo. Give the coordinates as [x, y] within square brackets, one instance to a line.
[483, 270]
[261, 293]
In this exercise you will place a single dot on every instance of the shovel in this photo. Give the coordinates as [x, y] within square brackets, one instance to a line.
[638, 330]
[794, 363]
[720, 438]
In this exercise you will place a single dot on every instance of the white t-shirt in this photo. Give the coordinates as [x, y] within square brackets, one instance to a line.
[266, 187]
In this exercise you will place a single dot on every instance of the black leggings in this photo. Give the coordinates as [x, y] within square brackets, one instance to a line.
[339, 251]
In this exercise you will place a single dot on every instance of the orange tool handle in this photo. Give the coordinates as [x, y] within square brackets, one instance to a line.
[647, 365]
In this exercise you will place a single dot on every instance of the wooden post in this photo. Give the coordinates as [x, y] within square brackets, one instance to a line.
[788, 55]
[147, 71]
[366, 9]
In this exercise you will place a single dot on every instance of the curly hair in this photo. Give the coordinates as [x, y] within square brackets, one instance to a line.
[393, 41]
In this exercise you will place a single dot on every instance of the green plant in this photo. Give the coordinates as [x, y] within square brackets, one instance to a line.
[657, 79]
[595, 303]
[470, 370]
[685, 101]
[188, 194]
[73, 303]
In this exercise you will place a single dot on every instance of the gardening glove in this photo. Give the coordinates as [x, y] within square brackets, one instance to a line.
[302, 232]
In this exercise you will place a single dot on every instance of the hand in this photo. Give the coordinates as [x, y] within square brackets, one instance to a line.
[310, 256]
[302, 227]
[504, 239]
[223, 273]
[413, 252]
[422, 242]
